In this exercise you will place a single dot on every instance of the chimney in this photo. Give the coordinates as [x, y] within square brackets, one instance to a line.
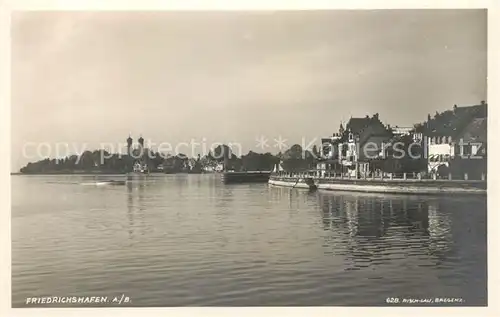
[483, 102]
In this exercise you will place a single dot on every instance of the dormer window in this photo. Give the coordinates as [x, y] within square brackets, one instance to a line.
[351, 137]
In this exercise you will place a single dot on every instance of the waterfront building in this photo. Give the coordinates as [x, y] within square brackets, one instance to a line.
[453, 142]
[470, 149]
[440, 150]
[349, 151]
[362, 142]
[402, 154]
[329, 153]
[455, 136]
[472, 141]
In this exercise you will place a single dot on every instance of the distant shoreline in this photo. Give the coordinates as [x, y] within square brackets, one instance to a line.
[76, 173]
[97, 173]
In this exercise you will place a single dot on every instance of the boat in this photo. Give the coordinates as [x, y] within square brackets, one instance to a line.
[106, 183]
[231, 177]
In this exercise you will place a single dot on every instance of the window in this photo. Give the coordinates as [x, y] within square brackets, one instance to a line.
[351, 137]
[467, 149]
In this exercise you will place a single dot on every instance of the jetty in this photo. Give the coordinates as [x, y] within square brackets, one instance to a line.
[403, 184]
[229, 177]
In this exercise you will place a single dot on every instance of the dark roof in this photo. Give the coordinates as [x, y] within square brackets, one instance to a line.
[478, 110]
[453, 122]
[476, 130]
[356, 125]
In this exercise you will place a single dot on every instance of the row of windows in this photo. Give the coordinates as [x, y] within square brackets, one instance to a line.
[440, 158]
[441, 140]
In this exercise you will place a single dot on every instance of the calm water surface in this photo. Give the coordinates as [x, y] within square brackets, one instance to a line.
[188, 240]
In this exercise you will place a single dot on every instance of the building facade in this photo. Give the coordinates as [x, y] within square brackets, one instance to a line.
[362, 142]
[440, 151]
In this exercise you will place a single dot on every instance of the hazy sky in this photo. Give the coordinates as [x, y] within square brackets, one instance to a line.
[83, 78]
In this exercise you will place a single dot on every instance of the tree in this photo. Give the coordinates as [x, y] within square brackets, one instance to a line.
[315, 151]
[222, 152]
[295, 159]
[258, 162]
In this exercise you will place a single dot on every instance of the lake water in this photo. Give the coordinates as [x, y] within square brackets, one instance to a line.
[189, 240]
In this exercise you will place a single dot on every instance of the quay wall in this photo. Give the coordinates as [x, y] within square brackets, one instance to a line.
[390, 186]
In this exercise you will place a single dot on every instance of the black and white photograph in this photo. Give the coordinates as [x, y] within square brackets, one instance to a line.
[249, 158]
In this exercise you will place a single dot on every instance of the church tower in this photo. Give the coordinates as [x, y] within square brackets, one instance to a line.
[128, 158]
[141, 146]
[129, 144]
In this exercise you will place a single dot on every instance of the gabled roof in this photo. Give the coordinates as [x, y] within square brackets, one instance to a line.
[356, 125]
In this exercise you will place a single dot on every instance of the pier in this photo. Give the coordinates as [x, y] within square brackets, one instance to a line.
[400, 184]
[246, 177]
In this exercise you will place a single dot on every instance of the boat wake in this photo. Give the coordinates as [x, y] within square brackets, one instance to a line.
[104, 183]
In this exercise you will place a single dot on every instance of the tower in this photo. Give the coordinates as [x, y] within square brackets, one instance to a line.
[141, 146]
[128, 159]
[129, 144]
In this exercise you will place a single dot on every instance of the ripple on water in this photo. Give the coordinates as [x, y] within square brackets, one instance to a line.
[188, 240]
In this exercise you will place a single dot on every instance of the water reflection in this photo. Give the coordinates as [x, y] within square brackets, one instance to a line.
[130, 211]
[296, 198]
[141, 205]
[220, 245]
[224, 196]
[372, 229]
[136, 207]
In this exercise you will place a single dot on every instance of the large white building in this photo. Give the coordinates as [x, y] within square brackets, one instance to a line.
[440, 150]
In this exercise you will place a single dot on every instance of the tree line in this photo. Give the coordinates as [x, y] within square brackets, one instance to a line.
[101, 161]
